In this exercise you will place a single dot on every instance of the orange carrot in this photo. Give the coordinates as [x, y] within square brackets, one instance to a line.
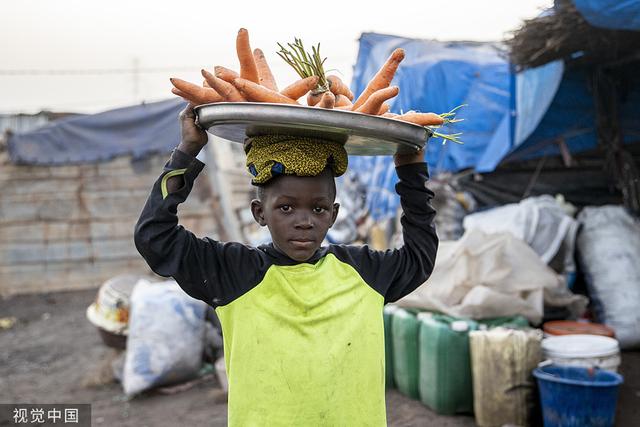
[205, 84]
[382, 78]
[181, 94]
[384, 109]
[422, 119]
[226, 90]
[197, 94]
[225, 74]
[265, 76]
[296, 89]
[375, 101]
[313, 98]
[342, 101]
[339, 88]
[248, 69]
[254, 92]
[187, 97]
[328, 100]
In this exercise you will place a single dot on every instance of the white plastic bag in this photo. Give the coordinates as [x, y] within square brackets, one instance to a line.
[539, 221]
[166, 335]
[492, 275]
[609, 252]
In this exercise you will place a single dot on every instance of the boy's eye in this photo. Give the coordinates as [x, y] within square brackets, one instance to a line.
[319, 210]
[285, 208]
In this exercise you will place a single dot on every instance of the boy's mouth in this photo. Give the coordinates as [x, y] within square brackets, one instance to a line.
[302, 243]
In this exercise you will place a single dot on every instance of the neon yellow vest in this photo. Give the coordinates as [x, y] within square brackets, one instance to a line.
[305, 347]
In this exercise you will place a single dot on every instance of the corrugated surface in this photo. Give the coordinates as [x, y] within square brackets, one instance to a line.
[22, 122]
[71, 227]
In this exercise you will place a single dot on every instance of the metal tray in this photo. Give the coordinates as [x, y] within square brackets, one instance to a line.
[362, 134]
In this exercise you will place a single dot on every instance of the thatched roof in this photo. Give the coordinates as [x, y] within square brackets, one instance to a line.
[563, 33]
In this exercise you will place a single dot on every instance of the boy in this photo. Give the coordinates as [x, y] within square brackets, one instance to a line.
[302, 324]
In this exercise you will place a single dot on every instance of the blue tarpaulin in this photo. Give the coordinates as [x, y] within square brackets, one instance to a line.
[531, 95]
[571, 118]
[438, 77]
[611, 14]
[435, 77]
[138, 131]
[514, 116]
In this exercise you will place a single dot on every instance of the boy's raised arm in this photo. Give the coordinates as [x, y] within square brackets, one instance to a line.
[411, 265]
[395, 273]
[205, 269]
[193, 140]
[409, 158]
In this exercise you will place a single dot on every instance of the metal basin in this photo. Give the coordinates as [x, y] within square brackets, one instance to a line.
[362, 134]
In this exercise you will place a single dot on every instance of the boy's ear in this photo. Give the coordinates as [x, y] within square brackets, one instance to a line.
[336, 208]
[258, 212]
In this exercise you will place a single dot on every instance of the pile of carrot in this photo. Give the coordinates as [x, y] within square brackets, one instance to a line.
[255, 83]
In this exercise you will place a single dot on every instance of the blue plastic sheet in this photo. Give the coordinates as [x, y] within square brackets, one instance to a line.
[509, 116]
[533, 92]
[138, 131]
[436, 77]
[571, 120]
[611, 14]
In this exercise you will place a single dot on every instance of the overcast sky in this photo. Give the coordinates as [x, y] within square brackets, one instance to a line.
[101, 42]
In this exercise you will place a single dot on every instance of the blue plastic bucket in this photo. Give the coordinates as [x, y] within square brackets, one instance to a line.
[574, 396]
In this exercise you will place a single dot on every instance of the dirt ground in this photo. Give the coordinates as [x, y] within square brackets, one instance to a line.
[54, 355]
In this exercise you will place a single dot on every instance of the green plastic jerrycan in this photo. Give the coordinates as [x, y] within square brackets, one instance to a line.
[446, 384]
[404, 338]
[387, 316]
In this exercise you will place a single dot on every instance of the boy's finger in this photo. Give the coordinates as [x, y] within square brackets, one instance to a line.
[196, 121]
[188, 111]
[189, 114]
[183, 114]
[192, 114]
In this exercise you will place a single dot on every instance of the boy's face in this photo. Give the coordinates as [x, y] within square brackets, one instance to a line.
[298, 212]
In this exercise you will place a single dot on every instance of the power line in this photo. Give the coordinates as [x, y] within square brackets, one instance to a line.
[93, 71]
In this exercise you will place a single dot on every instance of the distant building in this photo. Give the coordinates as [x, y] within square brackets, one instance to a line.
[27, 122]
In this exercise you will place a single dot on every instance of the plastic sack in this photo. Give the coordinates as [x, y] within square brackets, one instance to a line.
[452, 206]
[609, 251]
[483, 275]
[166, 335]
[539, 221]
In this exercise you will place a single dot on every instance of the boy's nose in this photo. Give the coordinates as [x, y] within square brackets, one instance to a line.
[304, 221]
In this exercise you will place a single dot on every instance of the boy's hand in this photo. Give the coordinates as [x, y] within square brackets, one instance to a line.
[193, 137]
[408, 158]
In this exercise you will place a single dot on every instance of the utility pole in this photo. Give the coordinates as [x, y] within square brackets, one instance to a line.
[136, 79]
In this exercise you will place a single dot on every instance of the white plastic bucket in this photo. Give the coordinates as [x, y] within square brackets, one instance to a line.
[583, 350]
